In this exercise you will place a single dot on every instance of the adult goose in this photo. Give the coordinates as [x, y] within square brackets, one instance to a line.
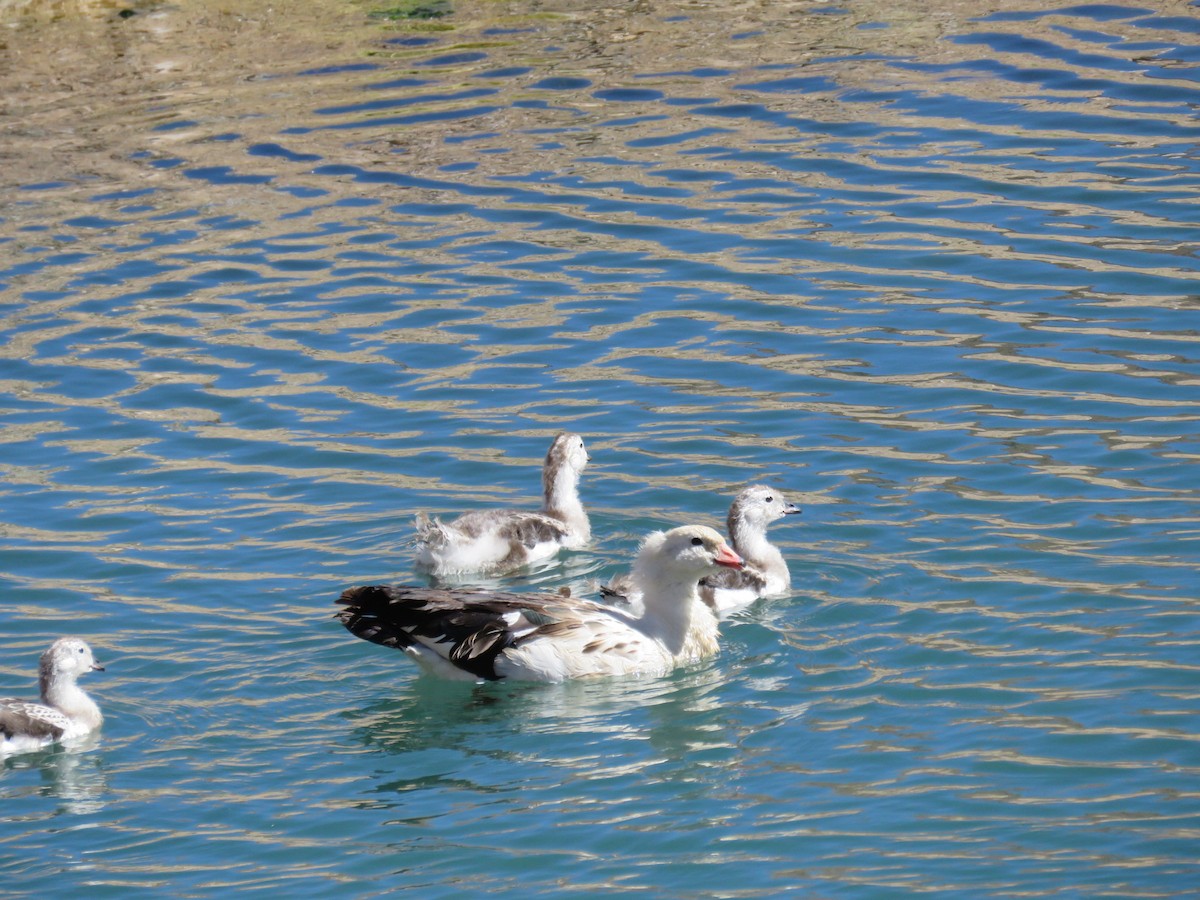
[500, 540]
[64, 712]
[488, 635]
[765, 573]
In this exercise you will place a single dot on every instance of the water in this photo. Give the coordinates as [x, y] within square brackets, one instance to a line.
[270, 283]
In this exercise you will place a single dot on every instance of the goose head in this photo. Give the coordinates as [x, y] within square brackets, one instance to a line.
[758, 506]
[686, 553]
[69, 656]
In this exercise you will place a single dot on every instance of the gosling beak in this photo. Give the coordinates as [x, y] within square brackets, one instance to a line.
[96, 667]
[726, 557]
[792, 509]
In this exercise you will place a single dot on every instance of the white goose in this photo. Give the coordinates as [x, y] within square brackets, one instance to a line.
[499, 540]
[64, 712]
[765, 573]
[486, 635]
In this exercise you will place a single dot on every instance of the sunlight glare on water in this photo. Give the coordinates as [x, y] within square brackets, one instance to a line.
[272, 281]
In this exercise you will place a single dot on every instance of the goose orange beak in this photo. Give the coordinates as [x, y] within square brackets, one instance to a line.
[726, 557]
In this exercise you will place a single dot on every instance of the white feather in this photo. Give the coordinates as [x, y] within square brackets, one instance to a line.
[65, 711]
[499, 540]
[480, 634]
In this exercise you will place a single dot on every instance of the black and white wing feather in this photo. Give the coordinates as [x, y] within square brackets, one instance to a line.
[23, 718]
[465, 628]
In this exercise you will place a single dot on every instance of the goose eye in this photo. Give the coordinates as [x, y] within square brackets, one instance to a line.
[696, 542]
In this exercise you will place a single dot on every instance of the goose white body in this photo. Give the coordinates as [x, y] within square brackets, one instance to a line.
[494, 541]
[765, 573]
[489, 635]
[63, 712]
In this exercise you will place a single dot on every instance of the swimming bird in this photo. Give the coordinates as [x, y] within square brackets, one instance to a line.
[765, 573]
[500, 540]
[64, 712]
[489, 635]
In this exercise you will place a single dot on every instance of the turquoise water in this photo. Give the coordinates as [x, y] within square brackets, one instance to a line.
[932, 272]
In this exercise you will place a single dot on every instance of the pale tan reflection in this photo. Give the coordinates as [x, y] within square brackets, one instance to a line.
[1063, 725]
[836, 369]
[179, 64]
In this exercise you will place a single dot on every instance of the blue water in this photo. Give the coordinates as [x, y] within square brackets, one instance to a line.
[932, 272]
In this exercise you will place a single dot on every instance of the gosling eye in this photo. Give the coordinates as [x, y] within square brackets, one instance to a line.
[770, 499]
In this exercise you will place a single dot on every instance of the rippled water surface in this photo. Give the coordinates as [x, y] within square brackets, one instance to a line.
[272, 282]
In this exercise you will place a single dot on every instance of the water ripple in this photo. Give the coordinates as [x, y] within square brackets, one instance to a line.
[931, 274]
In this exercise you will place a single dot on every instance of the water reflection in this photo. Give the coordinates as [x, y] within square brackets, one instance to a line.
[72, 776]
[433, 713]
[628, 738]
